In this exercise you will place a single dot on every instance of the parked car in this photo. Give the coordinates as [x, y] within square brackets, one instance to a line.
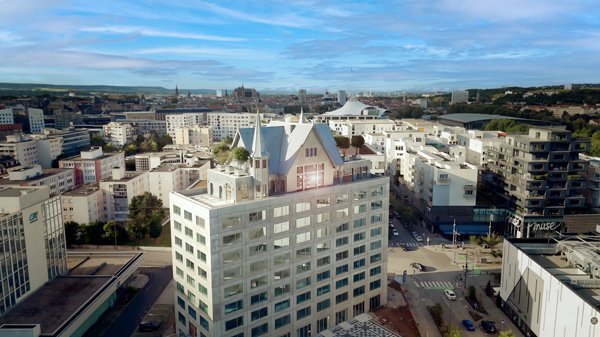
[468, 324]
[418, 266]
[405, 248]
[488, 326]
[395, 232]
[149, 325]
[450, 294]
[419, 238]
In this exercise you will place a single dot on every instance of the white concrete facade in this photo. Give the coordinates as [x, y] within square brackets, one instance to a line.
[85, 205]
[225, 125]
[284, 244]
[22, 148]
[6, 116]
[36, 120]
[118, 134]
[93, 165]
[193, 135]
[181, 121]
[547, 295]
[57, 180]
[33, 239]
[119, 190]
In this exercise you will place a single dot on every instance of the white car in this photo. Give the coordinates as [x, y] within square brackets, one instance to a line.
[419, 238]
[395, 232]
[450, 294]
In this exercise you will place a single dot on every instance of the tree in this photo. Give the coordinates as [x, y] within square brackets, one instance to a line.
[92, 233]
[71, 233]
[221, 152]
[144, 211]
[506, 333]
[240, 154]
[155, 230]
[97, 140]
[492, 240]
[342, 143]
[474, 240]
[357, 142]
[453, 331]
[110, 231]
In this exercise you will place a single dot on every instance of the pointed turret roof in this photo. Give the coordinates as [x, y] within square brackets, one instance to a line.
[258, 147]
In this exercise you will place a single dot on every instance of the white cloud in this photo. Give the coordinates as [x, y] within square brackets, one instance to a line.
[207, 51]
[156, 33]
[284, 20]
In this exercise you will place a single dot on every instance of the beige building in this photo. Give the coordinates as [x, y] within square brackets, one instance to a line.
[84, 205]
[193, 135]
[292, 242]
[118, 134]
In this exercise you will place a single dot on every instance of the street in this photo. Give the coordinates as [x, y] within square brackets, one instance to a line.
[126, 323]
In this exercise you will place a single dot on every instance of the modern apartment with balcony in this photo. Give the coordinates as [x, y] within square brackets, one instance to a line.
[539, 175]
[289, 243]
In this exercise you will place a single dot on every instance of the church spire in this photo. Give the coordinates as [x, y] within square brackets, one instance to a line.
[176, 91]
[258, 148]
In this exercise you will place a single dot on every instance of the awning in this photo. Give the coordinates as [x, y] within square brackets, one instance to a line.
[464, 228]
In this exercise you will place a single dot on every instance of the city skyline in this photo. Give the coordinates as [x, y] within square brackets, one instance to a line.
[283, 45]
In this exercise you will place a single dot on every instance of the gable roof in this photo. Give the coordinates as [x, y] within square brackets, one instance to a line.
[283, 141]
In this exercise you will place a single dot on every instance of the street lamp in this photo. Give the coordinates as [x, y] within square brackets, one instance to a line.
[492, 218]
[454, 232]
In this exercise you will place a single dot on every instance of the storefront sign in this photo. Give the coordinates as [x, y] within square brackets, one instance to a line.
[33, 217]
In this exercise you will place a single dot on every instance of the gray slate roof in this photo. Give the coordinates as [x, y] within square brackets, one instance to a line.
[283, 140]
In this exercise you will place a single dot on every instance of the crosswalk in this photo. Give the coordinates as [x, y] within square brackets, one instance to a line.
[434, 285]
[407, 244]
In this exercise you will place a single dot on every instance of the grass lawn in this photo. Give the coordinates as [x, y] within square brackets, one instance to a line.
[164, 240]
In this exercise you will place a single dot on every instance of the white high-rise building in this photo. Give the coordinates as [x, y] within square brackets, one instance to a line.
[224, 124]
[36, 120]
[342, 97]
[291, 242]
[182, 120]
[118, 134]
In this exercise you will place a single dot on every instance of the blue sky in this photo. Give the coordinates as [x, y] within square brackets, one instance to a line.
[288, 45]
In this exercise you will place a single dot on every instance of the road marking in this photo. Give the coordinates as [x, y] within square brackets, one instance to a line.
[440, 285]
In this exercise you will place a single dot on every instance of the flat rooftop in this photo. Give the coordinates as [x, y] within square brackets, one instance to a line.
[59, 300]
[552, 255]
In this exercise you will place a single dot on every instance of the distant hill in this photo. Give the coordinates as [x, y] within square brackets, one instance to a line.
[38, 89]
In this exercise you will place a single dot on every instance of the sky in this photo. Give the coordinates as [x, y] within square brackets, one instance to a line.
[292, 44]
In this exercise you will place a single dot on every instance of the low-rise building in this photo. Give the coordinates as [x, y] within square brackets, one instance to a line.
[118, 134]
[84, 205]
[193, 135]
[151, 160]
[119, 190]
[57, 180]
[22, 148]
[93, 165]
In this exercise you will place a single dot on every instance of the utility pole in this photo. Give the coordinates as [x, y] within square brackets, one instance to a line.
[492, 218]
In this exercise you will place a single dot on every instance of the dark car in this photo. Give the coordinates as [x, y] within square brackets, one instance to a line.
[149, 325]
[418, 266]
[405, 248]
[488, 326]
[468, 324]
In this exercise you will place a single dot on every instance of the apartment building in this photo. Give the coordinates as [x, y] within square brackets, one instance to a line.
[351, 128]
[145, 126]
[476, 145]
[225, 125]
[118, 134]
[34, 247]
[74, 140]
[540, 176]
[174, 178]
[6, 116]
[193, 135]
[151, 160]
[119, 190]
[48, 149]
[293, 242]
[84, 205]
[22, 148]
[93, 165]
[57, 180]
[592, 178]
[174, 122]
